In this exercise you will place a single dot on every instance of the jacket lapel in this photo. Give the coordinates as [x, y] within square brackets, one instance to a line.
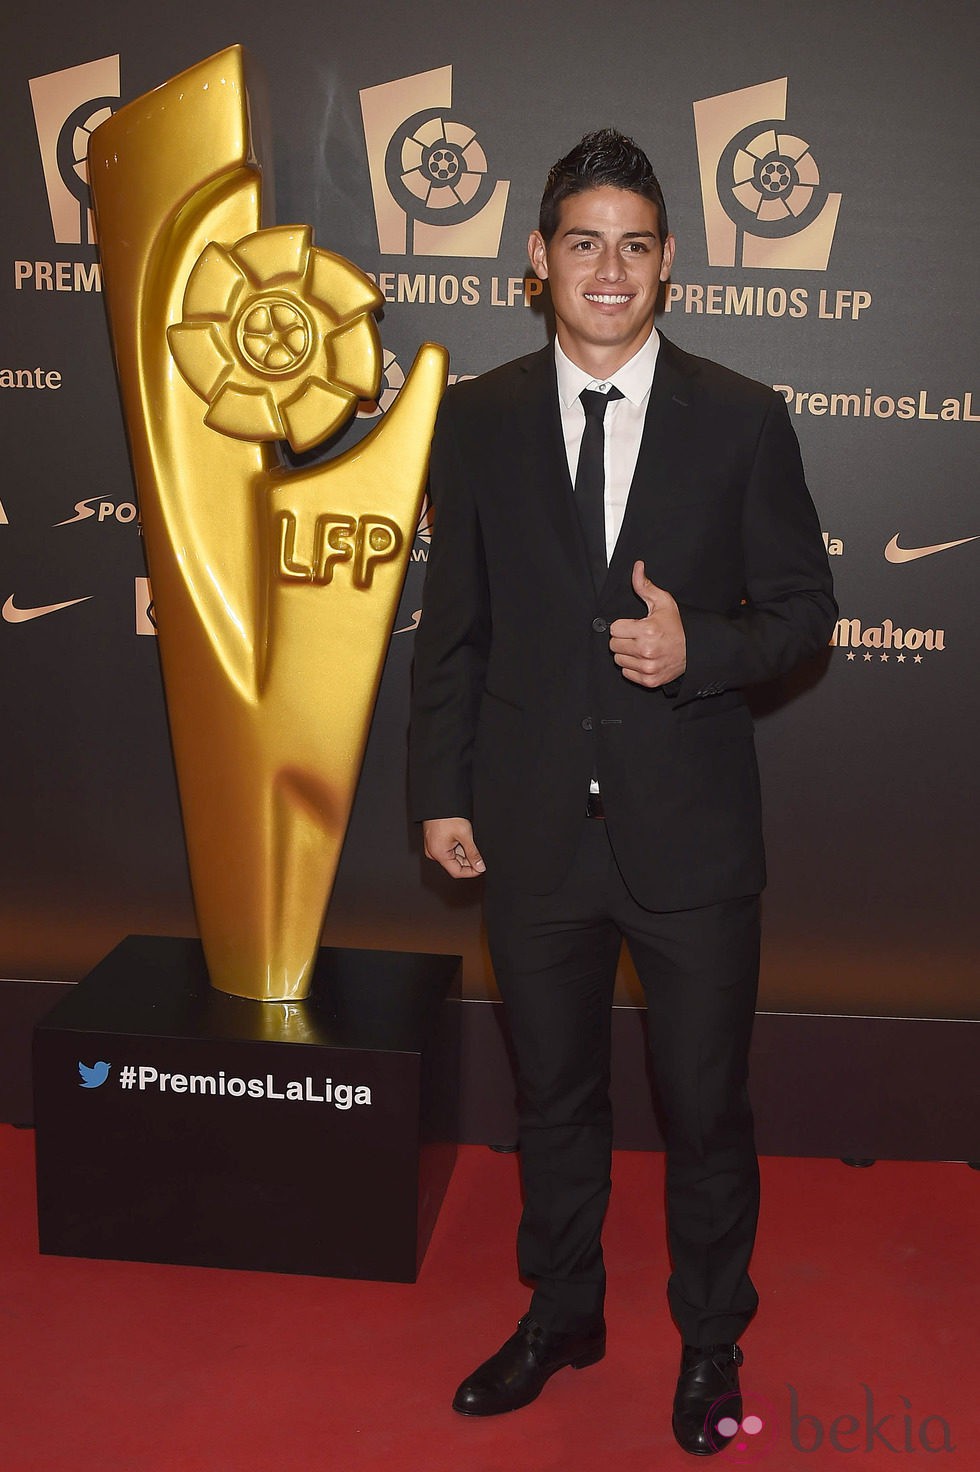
[671, 393]
[545, 464]
[544, 461]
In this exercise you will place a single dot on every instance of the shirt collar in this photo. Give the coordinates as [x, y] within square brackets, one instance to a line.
[633, 380]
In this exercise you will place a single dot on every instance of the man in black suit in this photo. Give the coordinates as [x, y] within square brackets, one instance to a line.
[623, 541]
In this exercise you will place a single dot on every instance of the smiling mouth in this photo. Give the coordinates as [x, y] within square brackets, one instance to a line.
[608, 299]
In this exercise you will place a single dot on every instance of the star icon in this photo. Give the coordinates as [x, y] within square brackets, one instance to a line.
[900, 659]
[850, 654]
[867, 659]
[884, 659]
[918, 659]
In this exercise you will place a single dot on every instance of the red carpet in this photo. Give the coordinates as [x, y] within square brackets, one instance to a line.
[867, 1279]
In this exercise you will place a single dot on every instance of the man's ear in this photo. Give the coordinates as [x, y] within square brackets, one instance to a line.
[670, 245]
[538, 254]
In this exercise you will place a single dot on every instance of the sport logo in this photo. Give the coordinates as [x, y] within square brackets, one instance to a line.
[68, 107]
[122, 511]
[434, 194]
[764, 201]
[12, 614]
[895, 553]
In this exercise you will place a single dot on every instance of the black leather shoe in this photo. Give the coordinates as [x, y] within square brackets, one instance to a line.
[521, 1368]
[707, 1393]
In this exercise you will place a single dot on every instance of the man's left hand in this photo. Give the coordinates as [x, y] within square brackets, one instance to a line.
[650, 651]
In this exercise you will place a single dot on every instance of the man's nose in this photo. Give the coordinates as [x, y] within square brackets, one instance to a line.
[611, 266]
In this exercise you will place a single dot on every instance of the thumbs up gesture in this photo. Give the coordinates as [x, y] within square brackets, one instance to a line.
[650, 651]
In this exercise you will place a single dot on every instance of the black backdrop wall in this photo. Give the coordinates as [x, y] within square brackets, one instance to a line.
[850, 286]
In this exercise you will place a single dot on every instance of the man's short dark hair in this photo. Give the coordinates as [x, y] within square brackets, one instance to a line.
[604, 158]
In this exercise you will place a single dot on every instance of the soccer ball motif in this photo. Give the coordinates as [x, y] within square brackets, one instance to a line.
[775, 177]
[277, 338]
[436, 169]
[444, 164]
[768, 181]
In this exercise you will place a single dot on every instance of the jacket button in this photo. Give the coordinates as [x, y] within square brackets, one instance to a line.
[600, 625]
[587, 724]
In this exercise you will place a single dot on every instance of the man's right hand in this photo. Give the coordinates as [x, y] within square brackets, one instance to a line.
[450, 842]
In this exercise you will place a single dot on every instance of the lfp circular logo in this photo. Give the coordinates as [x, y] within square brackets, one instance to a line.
[436, 169]
[768, 181]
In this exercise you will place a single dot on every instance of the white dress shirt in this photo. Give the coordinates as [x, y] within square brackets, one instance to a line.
[623, 423]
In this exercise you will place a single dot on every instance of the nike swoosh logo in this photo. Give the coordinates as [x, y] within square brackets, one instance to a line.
[15, 615]
[895, 553]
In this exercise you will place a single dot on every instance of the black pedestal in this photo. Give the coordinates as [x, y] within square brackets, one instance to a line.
[178, 1124]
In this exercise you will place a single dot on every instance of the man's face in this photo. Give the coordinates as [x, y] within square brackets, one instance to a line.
[604, 263]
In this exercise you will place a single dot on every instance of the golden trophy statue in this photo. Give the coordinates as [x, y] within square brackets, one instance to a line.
[275, 589]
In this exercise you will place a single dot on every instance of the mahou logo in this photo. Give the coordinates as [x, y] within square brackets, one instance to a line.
[886, 641]
[434, 193]
[765, 202]
[68, 107]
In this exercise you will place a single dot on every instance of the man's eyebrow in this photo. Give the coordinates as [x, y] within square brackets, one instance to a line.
[601, 234]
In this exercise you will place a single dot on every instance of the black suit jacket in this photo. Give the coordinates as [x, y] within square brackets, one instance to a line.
[517, 697]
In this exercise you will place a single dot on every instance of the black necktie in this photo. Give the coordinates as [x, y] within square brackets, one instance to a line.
[590, 480]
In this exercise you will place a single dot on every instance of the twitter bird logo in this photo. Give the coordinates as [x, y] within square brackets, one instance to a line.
[92, 1077]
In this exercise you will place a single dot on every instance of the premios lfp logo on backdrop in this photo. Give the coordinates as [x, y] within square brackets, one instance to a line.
[768, 206]
[68, 106]
[765, 203]
[433, 188]
[435, 193]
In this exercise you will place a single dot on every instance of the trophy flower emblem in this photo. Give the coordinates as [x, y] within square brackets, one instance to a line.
[277, 337]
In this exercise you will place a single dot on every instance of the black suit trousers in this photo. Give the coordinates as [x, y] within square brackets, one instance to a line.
[555, 959]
